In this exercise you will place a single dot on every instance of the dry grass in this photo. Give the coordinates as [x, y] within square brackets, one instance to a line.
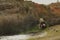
[53, 34]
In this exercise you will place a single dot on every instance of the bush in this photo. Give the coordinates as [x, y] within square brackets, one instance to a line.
[15, 23]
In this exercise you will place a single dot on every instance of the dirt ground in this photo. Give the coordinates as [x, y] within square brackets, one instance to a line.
[53, 33]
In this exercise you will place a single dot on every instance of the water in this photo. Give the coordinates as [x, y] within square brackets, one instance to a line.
[23, 36]
[15, 37]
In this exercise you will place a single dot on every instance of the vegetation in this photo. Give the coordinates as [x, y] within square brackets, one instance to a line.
[18, 16]
[53, 33]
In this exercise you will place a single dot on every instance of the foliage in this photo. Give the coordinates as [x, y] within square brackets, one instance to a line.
[18, 16]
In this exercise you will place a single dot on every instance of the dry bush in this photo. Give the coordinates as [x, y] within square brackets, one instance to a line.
[16, 23]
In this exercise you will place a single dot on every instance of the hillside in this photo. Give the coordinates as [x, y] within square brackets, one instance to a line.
[18, 16]
[55, 8]
[49, 12]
